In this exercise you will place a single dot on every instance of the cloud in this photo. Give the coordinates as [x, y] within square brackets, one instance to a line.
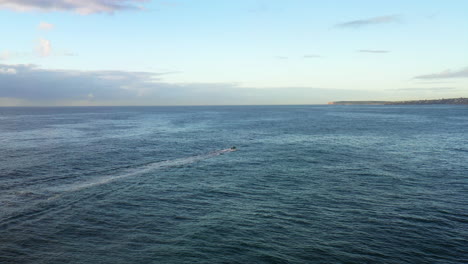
[259, 8]
[448, 74]
[7, 71]
[45, 26]
[5, 55]
[10, 55]
[44, 47]
[32, 85]
[69, 54]
[5, 101]
[311, 56]
[431, 89]
[432, 15]
[79, 6]
[368, 22]
[373, 51]
[430, 82]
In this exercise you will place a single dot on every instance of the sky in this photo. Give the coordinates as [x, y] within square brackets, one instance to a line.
[222, 52]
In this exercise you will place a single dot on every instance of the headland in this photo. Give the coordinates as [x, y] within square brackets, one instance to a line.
[451, 101]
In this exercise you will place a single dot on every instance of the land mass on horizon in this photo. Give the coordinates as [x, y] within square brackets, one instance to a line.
[451, 101]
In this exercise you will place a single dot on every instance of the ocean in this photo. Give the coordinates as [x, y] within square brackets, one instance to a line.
[307, 184]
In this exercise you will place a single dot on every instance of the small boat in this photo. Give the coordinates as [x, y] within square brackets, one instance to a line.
[233, 148]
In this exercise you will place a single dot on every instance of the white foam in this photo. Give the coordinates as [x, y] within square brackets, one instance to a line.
[137, 171]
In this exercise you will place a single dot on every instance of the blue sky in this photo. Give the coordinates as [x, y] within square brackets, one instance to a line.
[124, 52]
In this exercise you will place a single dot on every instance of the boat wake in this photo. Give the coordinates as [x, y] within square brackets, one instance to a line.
[18, 204]
[138, 171]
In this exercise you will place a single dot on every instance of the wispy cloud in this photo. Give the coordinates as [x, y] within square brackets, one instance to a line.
[369, 21]
[431, 89]
[433, 15]
[5, 55]
[44, 47]
[431, 82]
[373, 51]
[45, 26]
[312, 56]
[281, 57]
[448, 74]
[68, 53]
[78, 6]
[260, 7]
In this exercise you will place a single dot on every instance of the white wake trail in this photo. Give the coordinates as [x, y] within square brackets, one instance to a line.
[137, 171]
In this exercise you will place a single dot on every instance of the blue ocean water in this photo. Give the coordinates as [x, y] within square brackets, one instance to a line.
[308, 184]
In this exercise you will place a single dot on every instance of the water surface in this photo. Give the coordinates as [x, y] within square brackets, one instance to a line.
[308, 184]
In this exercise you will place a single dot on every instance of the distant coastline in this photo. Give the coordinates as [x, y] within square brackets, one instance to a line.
[452, 101]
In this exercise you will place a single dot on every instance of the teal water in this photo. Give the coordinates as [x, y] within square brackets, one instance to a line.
[308, 184]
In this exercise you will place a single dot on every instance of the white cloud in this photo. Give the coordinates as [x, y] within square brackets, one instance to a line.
[44, 48]
[79, 6]
[5, 55]
[45, 26]
[7, 71]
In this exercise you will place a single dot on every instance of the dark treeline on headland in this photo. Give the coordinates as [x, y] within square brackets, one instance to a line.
[462, 101]
[452, 101]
